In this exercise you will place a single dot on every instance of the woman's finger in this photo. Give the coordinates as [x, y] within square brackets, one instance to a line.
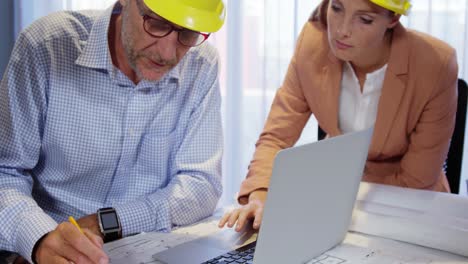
[224, 219]
[258, 217]
[246, 213]
[233, 217]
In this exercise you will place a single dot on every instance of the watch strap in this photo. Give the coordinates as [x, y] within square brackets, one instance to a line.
[111, 236]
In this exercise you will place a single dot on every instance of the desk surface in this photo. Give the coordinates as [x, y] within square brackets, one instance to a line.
[382, 217]
[357, 248]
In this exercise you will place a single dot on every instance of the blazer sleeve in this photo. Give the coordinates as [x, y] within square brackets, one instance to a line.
[429, 142]
[287, 117]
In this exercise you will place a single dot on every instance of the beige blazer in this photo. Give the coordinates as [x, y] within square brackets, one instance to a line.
[415, 118]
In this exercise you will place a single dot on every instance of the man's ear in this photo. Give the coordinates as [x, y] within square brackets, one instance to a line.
[394, 21]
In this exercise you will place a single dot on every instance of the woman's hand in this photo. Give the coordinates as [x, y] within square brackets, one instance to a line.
[253, 209]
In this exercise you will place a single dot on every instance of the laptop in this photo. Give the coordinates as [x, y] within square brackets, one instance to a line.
[307, 212]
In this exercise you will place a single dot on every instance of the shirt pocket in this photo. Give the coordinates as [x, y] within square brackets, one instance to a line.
[155, 159]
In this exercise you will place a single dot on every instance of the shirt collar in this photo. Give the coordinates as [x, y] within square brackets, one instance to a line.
[96, 54]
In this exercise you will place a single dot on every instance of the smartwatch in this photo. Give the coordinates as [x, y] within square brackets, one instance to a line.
[109, 224]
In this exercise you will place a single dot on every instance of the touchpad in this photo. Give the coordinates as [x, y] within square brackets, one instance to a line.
[188, 253]
[206, 248]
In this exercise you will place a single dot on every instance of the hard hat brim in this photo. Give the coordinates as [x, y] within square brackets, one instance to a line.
[189, 17]
[401, 10]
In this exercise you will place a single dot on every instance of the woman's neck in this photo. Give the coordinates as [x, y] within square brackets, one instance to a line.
[374, 60]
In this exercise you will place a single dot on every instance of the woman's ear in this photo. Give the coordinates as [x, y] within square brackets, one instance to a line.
[394, 21]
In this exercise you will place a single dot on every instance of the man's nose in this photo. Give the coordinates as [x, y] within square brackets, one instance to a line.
[167, 46]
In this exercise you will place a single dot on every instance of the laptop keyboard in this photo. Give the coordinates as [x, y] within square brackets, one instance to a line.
[241, 255]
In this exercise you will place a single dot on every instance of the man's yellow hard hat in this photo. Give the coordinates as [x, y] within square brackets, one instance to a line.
[196, 15]
[401, 7]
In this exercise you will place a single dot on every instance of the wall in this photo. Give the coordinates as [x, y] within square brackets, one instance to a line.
[6, 32]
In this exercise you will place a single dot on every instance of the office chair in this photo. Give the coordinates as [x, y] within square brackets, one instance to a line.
[453, 163]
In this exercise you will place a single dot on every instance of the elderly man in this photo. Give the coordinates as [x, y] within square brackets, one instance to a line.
[111, 117]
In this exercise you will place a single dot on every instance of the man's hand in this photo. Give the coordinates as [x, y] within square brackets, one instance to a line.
[253, 209]
[90, 222]
[66, 244]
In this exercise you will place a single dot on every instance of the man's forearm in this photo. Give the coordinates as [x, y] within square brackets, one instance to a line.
[23, 222]
[185, 200]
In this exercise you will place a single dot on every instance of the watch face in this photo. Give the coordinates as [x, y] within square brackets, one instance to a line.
[109, 220]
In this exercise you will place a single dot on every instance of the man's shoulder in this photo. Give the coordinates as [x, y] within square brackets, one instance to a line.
[63, 24]
[205, 53]
[200, 66]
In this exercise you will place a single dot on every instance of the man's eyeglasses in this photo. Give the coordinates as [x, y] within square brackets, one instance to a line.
[159, 28]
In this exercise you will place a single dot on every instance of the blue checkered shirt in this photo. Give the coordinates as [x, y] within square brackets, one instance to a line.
[77, 135]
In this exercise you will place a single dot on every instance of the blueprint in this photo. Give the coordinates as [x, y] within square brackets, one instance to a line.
[139, 249]
[431, 219]
[356, 248]
[364, 249]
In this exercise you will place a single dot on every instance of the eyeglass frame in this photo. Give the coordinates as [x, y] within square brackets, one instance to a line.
[173, 27]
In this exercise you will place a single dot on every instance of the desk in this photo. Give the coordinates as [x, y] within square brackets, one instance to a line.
[381, 212]
[356, 248]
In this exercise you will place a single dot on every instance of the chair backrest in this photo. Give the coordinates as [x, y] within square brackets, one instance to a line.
[453, 163]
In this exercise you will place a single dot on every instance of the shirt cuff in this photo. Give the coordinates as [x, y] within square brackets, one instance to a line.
[30, 230]
[150, 214]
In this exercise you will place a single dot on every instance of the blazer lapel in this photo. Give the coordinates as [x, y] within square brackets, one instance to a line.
[330, 86]
[393, 88]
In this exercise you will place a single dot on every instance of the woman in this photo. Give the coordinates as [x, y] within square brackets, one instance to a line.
[355, 66]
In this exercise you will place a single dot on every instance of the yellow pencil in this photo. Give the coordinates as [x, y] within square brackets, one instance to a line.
[73, 221]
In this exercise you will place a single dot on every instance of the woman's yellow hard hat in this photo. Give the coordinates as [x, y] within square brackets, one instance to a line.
[196, 15]
[401, 7]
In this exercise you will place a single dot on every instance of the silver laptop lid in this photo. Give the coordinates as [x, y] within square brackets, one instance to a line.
[311, 197]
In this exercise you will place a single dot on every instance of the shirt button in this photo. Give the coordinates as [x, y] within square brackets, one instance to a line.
[131, 131]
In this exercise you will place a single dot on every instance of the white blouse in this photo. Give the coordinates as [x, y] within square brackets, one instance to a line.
[357, 111]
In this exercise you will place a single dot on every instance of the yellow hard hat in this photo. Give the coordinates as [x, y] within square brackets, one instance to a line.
[398, 6]
[197, 15]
